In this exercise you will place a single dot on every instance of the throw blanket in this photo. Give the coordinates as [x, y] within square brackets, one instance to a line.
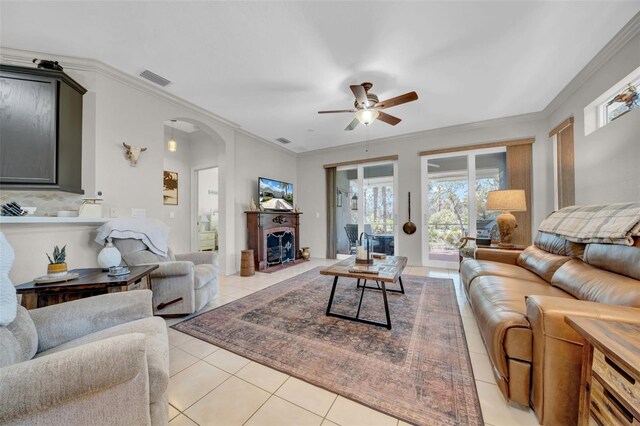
[608, 223]
[8, 300]
[152, 232]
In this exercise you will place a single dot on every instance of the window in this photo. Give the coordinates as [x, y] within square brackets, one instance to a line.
[615, 107]
[599, 112]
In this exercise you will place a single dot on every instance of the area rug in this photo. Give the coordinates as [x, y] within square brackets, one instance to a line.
[419, 371]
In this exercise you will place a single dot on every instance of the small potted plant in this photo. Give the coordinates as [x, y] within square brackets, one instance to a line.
[57, 266]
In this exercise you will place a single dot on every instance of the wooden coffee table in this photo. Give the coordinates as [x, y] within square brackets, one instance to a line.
[91, 282]
[390, 269]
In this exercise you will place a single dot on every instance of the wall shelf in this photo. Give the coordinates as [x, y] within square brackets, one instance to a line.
[52, 219]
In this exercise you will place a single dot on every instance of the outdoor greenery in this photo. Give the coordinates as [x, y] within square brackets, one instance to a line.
[449, 210]
[378, 207]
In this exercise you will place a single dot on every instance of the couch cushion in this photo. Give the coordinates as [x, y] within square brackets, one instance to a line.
[586, 282]
[157, 347]
[624, 260]
[556, 244]
[18, 340]
[471, 268]
[500, 308]
[540, 262]
[204, 273]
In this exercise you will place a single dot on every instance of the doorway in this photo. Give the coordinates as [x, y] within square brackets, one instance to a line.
[366, 203]
[207, 209]
[450, 209]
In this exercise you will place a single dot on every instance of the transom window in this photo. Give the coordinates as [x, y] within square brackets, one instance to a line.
[614, 107]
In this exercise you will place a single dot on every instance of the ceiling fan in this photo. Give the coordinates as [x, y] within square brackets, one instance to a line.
[368, 108]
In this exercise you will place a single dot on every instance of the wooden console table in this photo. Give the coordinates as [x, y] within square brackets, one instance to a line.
[91, 282]
[259, 223]
[610, 382]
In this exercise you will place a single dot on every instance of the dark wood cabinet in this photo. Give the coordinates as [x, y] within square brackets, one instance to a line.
[40, 129]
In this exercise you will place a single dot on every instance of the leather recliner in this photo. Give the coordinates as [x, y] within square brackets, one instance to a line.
[520, 299]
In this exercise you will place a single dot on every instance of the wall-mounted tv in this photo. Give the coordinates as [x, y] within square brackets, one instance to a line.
[275, 195]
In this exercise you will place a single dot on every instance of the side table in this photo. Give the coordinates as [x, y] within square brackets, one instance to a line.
[91, 282]
[610, 380]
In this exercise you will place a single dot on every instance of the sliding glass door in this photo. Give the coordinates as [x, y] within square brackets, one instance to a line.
[366, 203]
[450, 209]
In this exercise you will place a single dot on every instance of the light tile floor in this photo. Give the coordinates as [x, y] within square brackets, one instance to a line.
[212, 386]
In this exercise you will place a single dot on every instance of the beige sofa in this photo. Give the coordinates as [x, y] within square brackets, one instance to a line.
[520, 299]
[99, 360]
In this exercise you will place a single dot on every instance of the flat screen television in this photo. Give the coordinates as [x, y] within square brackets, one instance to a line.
[275, 194]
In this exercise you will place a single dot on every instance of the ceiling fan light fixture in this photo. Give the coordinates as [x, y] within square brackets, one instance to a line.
[367, 115]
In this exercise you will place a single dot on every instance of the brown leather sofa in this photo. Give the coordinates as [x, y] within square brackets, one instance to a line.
[520, 299]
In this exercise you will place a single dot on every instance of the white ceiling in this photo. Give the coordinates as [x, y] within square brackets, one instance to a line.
[270, 66]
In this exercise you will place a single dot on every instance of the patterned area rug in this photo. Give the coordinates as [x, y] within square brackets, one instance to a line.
[419, 371]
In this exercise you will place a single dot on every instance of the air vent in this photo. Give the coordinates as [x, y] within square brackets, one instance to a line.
[283, 141]
[155, 78]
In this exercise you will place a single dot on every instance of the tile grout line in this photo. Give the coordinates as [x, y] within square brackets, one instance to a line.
[195, 402]
[257, 409]
[329, 410]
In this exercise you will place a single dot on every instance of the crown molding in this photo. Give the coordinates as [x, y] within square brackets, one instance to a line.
[457, 128]
[272, 144]
[24, 57]
[629, 31]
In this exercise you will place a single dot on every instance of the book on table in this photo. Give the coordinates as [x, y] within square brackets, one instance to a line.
[364, 269]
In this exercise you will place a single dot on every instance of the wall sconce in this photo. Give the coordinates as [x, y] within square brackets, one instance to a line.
[339, 201]
[354, 202]
[172, 146]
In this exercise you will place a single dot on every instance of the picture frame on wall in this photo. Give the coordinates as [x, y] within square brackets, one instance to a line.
[170, 188]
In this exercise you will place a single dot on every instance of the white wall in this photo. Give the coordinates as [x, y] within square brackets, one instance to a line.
[204, 151]
[311, 177]
[207, 181]
[119, 108]
[606, 161]
[254, 160]
[179, 162]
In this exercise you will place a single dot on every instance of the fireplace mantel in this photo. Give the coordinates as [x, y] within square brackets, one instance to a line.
[261, 222]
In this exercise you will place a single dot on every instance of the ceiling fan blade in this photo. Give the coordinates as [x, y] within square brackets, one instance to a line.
[360, 94]
[336, 110]
[352, 125]
[389, 119]
[398, 100]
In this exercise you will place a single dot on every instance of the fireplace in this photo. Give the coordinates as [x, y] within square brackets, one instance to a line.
[274, 238]
[280, 244]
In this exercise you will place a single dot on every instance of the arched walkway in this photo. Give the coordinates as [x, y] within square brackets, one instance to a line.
[226, 207]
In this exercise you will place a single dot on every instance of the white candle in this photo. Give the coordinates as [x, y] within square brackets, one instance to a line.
[361, 253]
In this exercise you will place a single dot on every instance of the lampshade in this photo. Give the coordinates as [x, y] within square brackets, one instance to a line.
[203, 219]
[366, 116]
[507, 200]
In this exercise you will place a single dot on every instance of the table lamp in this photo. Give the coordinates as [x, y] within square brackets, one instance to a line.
[507, 201]
[202, 221]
